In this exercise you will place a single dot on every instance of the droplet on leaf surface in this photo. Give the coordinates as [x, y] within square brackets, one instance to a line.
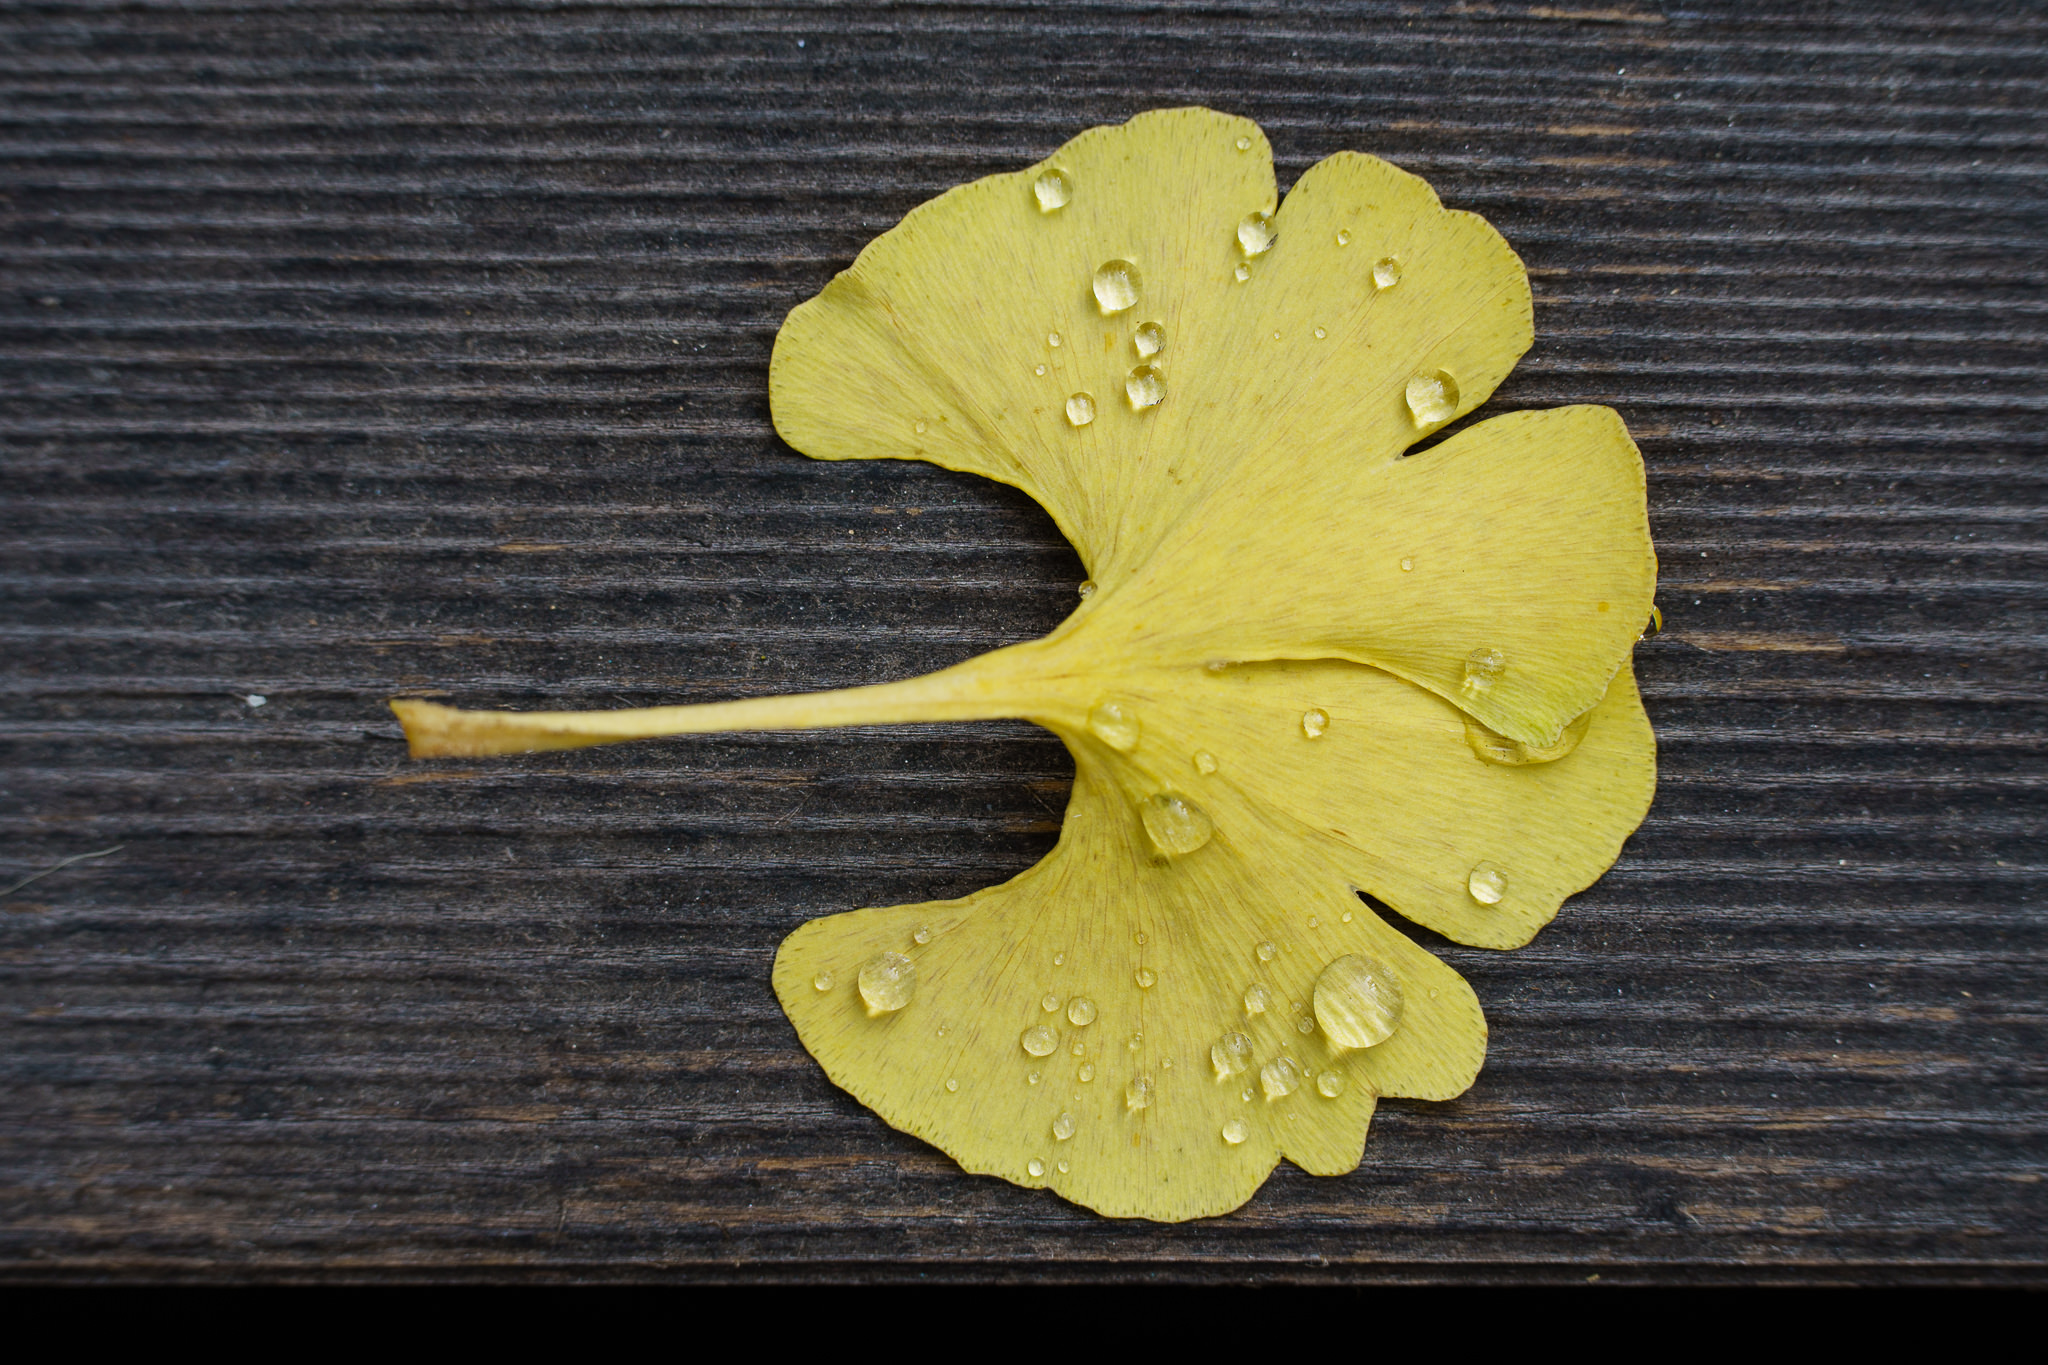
[1386, 273]
[1115, 725]
[1145, 386]
[1205, 762]
[1432, 398]
[1150, 339]
[1255, 233]
[1177, 825]
[1039, 1040]
[1243, 272]
[1138, 1094]
[1483, 668]
[1256, 999]
[1081, 1011]
[1116, 286]
[1487, 884]
[1358, 1002]
[1230, 1055]
[1063, 1127]
[1081, 409]
[1314, 722]
[887, 981]
[1330, 1084]
[1235, 1131]
[1279, 1077]
[1052, 189]
[822, 981]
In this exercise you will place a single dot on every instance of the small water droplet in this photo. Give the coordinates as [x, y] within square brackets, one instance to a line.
[1255, 233]
[920, 428]
[1137, 1041]
[1143, 976]
[1139, 938]
[1246, 1095]
[1150, 339]
[1081, 1011]
[1166, 1063]
[1343, 236]
[1358, 1002]
[1049, 1002]
[1086, 1073]
[1081, 409]
[1079, 1048]
[952, 1086]
[1314, 923]
[1407, 566]
[822, 981]
[1487, 884]
[1138, 1094]
[1063, 1167]
[1386, 273]
[1314, 721]
[887, 981]
[1039, 1040]
[1177, 825]
[1205, 762]
[1052, 339]
[1087, 589]
[1346, 917]
[1115, 725]
[1033, 1078]
[1059, 959]
[1279, 1077]
[1244, 144]
[1266, 951]
[943, 1030]
[1036, 1167]
[1495, 747]
[1320, 334]
[1330, 1084]
[1243, 272]
[1063, 1127]
[1052, 189]
[1432, 398]
[1483, 668]
[1230, 1055]
[1656, 619]
[1304, 1025]
[1256, 998]
[1216, 665]
[1236, 1131]
[1145, 386]
[1276, 336]
[1038, 369]
[923, 934]
[1116, 286]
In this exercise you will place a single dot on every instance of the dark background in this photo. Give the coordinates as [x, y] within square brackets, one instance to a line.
[395, 346]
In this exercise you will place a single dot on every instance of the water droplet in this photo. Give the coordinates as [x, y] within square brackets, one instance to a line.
[1230, 1055]
[1304, 1025]
[1145, 386]
[1346, 917]
[1246, 1095]
[1063, 1167]
[1144, 978]
[1081, 1012]
[1314, 721]
[1487, 884]
[1038, 369]
[1087, 1072]
[1033, 1078]
[1330, 1084]
[1139, 938]
[1236, 1131]
[1407, 566]
[920, 428]
[1313, 922]
[1052, 189]
[1244, 144]
[1358, 1002]
[1243, 272]
[1137, 1041]
[1116, 286]
[952, 1086]
[1059, 959]
[1138, 1094]
[923, 934]
[1320, 334]
[1115, 725]
[1276, 336]
[1216, 665]
[1036, 1167]
[1498, 748]
[1150, 339]
[1177, 825]
[1256, 998]
[1255, 233]
[1079, 1048]
[822, 981]
[1081, 409]
[1205, 762]
[1279, 1077]
[1049, 1002]
[1656, 619]
[1386, 273]
[1039, 1040]
[1432, 398]
[1483, 668]
[1052, 339]
[943, 1030]
[887, 981]
[1063, 1127]
[1087, 589]
[1166, 1063]
[1343, 236]
[1265, 951]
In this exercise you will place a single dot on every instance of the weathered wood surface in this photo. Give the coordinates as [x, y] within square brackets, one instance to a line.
[397, 346]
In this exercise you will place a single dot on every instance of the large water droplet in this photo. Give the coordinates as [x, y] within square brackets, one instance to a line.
[822, 981]
[1081, 409]
[887, 981]
[1483, 668]
[1144, 978]
[1358, 1002]
[1230, 1055]
[1145, 386]
[1116, 286]
[1039, 1040]
[1255, 233]
[1150, 339]
[1279, 1077]
[1266, 951]
[1314, 721]
[1236, 1131]
[1177, 825]
[1386, 273]
[1081, 1011]
[1052, 189]
[1256, 998]
[1138, 1094]
[1205, 762]
[1432, 398]
[1035, 1167]
[1115, 725]
[1487, 884]
[1330, 1084]
[1063, 1127]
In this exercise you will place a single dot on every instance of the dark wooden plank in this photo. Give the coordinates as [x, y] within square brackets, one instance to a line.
[395, 345]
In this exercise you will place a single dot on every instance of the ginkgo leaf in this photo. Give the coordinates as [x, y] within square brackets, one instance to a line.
[1308, 667]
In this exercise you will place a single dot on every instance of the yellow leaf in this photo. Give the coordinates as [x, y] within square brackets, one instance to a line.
[1310, 666]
